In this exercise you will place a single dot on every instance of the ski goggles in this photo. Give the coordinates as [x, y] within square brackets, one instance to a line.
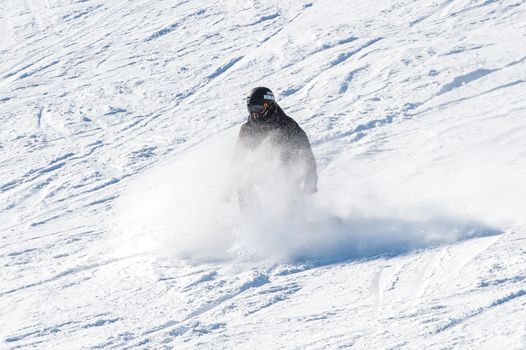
[255, 109]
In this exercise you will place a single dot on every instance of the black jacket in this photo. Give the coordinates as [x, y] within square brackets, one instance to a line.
[287, 136]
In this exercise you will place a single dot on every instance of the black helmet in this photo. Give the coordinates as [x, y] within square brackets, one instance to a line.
[259, 100]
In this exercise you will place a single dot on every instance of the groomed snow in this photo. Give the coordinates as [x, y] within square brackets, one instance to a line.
[117, 121]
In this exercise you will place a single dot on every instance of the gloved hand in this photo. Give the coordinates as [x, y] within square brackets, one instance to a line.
[310, 185]
[310, 190]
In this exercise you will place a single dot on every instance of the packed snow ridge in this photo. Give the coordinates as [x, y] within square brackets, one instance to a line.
[118, 122]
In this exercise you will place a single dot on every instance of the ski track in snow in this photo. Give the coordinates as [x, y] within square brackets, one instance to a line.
[94, 93]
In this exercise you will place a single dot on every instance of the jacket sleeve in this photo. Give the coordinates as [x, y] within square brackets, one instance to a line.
[240, 150]
[311, 179]
[235, 166]
[304, 147]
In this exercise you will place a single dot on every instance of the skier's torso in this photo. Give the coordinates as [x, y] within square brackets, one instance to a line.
[280, 138]
[282, 132]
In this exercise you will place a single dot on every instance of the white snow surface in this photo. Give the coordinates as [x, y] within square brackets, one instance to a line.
[117, 122]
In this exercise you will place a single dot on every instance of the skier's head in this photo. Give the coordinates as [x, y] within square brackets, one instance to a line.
[260, 101]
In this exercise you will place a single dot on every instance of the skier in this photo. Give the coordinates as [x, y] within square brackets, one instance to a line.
[268, 124]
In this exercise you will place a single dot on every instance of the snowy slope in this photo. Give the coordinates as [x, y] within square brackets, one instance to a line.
[110, 115]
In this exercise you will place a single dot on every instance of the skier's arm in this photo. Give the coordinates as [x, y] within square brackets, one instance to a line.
[236, 163]
[310, 184]
[240, 150]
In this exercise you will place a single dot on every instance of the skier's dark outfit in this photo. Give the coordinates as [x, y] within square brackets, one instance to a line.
[285, 135]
